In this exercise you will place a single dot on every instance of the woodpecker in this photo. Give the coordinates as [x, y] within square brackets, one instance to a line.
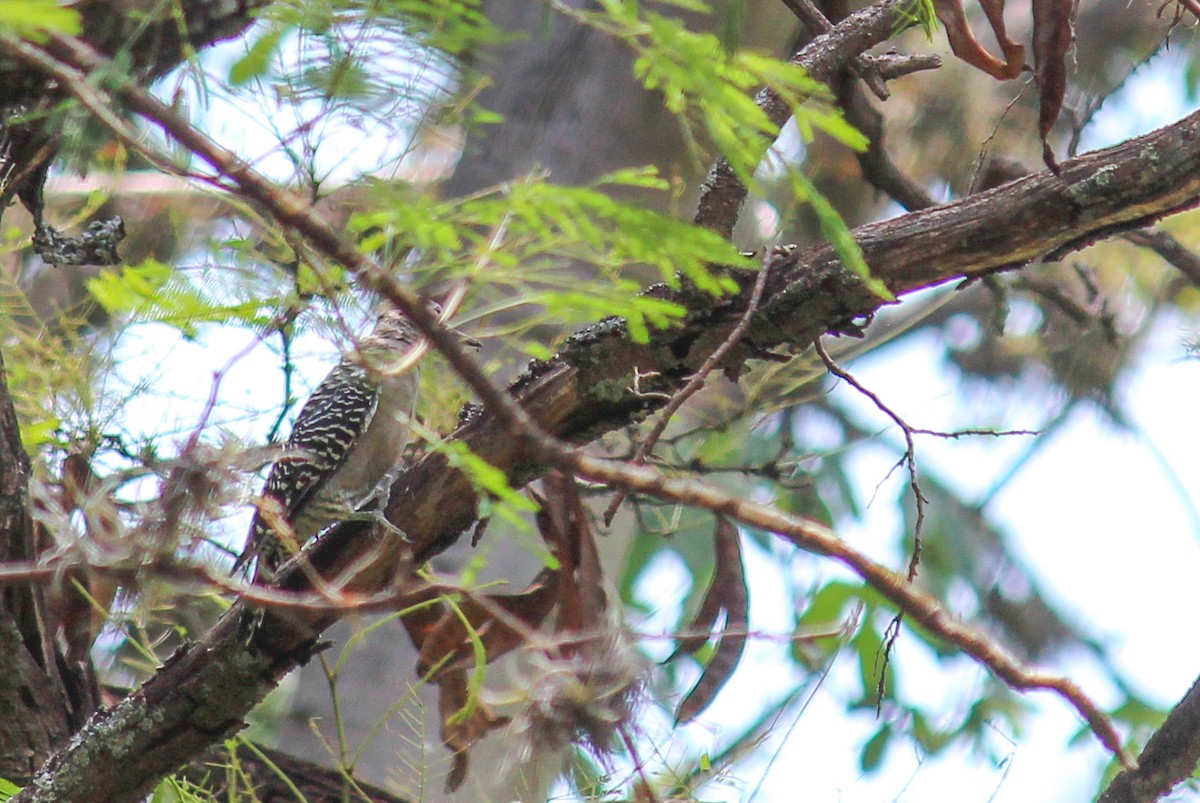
[345, 444]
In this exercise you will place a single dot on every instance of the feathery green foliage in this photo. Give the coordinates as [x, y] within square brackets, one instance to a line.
[925, 15]
[534, 259]
[527, 239]
[152, 291]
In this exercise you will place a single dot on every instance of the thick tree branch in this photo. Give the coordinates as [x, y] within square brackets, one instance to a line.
[31, 697]
[15, 536]
[693, 386]
[1170, 757]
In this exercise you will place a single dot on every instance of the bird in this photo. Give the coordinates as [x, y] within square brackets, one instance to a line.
[344, 448]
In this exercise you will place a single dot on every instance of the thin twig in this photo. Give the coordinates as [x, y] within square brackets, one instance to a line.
[695, 383]
[910, 452]
[646, 791]
[289, 369]
[910, 461]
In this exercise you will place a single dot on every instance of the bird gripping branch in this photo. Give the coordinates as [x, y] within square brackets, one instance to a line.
[346, 443]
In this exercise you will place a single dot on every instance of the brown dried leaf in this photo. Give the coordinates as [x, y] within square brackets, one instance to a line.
[446, 645]
[78, 481]
[568, 528]
[445, 635]
[529, 609]
[1014, 52]
[732, 596]
[967, 47]
[421, 613]
[1053, 32]
[449, 639]
[459, 764]
[699, 630]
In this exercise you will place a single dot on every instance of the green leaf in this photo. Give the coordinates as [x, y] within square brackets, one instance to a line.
[7, 790]
[257, 60]
[481, 116]
[869, 646]
[537, 351]
[29, 19]
[646, 176]
[529, 237]
[180, 790]
[827, 606]
[834, 229]
[507, 503]
[924, 14]
[928, 737]
[711, 86]
[36, 434]
[875, 749]
[453, 27]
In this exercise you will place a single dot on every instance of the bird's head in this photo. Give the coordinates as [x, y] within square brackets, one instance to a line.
[394, 330]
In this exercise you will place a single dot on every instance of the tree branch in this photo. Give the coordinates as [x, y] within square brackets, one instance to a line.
[1170, 756]
[35, 693]
[693, 386]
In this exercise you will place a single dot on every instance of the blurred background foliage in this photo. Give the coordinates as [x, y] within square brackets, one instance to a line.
[505, 149]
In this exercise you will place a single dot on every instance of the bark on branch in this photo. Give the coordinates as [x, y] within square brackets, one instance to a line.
[1169, 758]
[31, 694]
